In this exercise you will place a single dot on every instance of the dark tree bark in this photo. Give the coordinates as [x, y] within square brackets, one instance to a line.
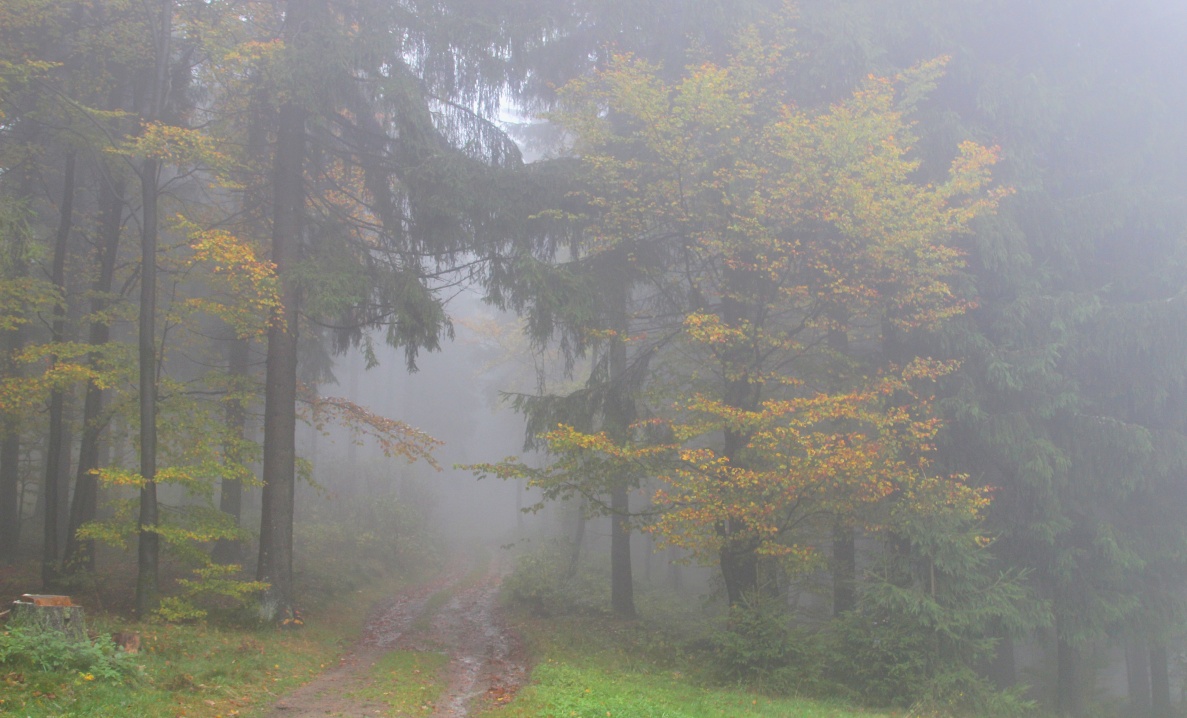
[844, 563]
[578, 540]
[148, 549]
[619, 417]
[80, 555]
[1137, 673]
[1160, 684]
[739, 566]
[10, 446]
[648, 559]
[10, 468]
[674, 573]
[738, 556]
[280, 385]
[1069, 694]
[622, 597]
[54, 449]
[1003, 668]
[520, 489]
[844, 569]
[739, 549]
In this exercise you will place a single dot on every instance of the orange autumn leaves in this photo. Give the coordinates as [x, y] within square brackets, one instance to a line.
[809, 459]
[863, 454]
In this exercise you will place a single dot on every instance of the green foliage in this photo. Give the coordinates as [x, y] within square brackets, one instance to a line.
[186, 534]
[887, 660]
[543, 584]
[962, 692]
[347, 544]
[591, 667]
[218, 583]
[200, 669]
[878, 660]
[25, 647]
[572, 695]
[757, 641]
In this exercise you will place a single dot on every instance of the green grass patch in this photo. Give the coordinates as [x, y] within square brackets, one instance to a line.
[408, 682]
[589, 691]
[589, 667]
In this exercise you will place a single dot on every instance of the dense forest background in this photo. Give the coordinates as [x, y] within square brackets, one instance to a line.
[883, 303]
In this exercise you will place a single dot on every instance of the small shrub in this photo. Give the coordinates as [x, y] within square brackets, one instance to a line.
[756, 642]
[31, 648]
[760, 646]
[541, 584]
[882, 662]
[959, 691]
[535, 584]
[213, 585]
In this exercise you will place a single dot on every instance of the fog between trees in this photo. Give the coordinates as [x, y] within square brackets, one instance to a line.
[880, 300]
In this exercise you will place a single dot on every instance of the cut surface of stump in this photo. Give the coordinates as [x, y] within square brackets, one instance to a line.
[50, 613]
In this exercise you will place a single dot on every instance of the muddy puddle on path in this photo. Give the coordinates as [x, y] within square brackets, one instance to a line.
[456, 615]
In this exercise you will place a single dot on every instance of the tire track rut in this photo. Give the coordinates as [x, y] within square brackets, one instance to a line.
[487, 662]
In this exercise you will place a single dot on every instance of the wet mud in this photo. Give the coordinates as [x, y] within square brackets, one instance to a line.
[487, 662]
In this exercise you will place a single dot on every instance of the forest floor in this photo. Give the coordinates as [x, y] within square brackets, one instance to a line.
[454, 650]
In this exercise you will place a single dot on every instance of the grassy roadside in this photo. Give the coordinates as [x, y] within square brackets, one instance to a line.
[591, 667]
[193, 670]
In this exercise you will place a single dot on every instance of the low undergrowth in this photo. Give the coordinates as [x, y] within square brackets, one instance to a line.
[180, 670]
[195, 670]
[596, 667]
[686, 658]
[227, 666]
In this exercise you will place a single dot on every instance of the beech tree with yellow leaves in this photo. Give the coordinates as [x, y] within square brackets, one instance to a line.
[778, 226]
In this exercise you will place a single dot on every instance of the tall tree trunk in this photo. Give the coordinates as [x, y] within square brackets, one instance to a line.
[1069, 693]
[622, 597]
[738, 556]
[578, 540]
[844, 563]
[520, 489]
[148, 546]
[10, 466]
[739, 566]
[50, 553]
[674, 572]
[11, 495]
[230, 500]
[844, 568]
[648, 559]
[148, 549]
[1137, 673]
[1160, 684]
[619, 417]
[80, 555]
[280, 385]
[739, 549]
[1003, 668]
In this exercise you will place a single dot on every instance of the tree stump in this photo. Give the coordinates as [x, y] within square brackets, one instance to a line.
[50, 613]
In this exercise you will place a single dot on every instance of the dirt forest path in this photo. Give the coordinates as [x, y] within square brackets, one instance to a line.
[456, 614]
